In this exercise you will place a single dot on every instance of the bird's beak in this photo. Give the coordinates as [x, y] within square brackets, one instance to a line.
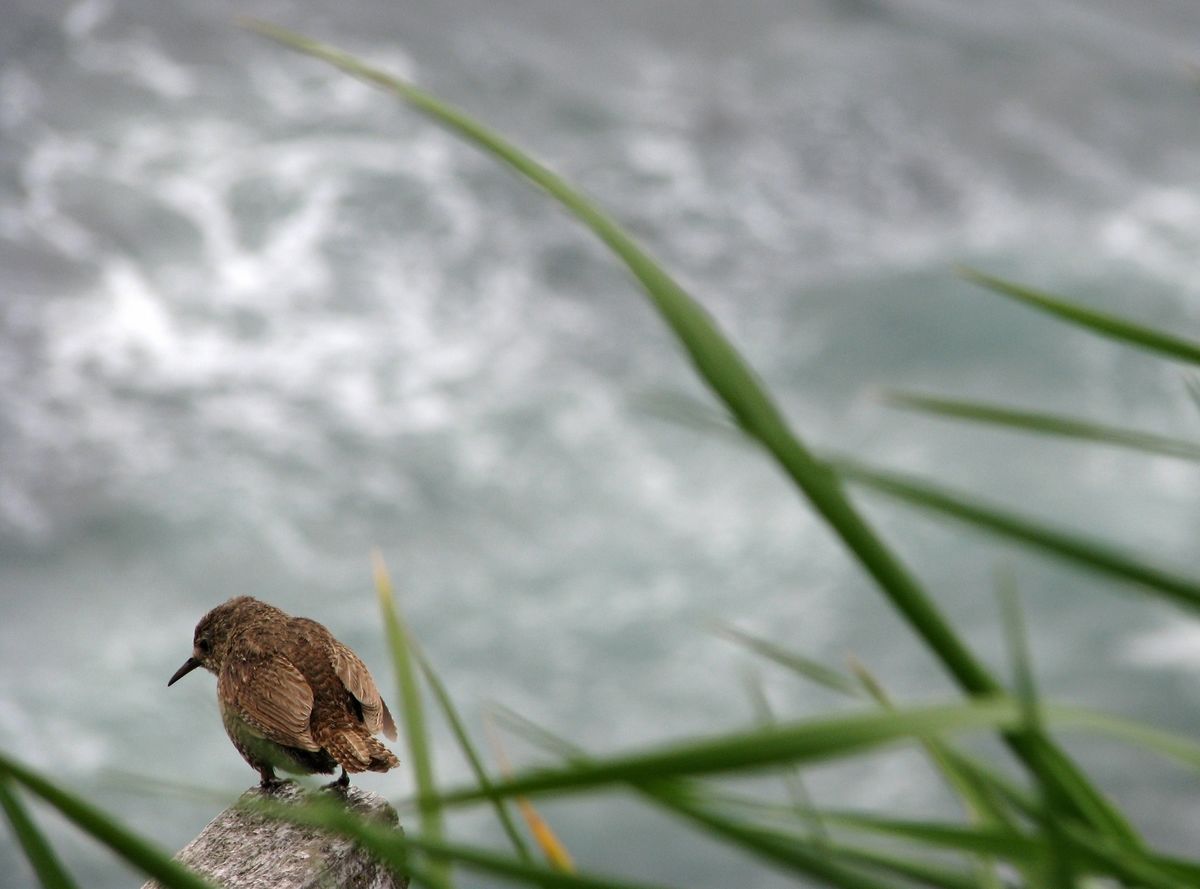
[188, 665]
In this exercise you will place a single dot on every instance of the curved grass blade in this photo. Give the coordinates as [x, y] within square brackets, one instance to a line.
[469, 752]
[837, 864]
[1100, 856]
[1057, 861]
[810, 669]
[1134, 869]
[1073, 547]
[46, 866]
[1177, 747]
[970, 840]
[1192, 382]
[103, 827]
[1111, 326]
[976, 797]
[715, 359]
[921, 872]
[788, 852]
[553, 849]
[810, 741]
[732, 380]
[793, 778]
[1045, 424]
[414, 714]
[808, 858]
[691, 413]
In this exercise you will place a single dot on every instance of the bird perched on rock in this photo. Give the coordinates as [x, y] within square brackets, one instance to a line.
[291, 696]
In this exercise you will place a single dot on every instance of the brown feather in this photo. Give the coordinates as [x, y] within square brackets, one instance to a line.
[272, 696]
[357, 679]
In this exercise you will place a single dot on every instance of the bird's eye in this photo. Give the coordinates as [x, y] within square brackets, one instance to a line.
[203, 646]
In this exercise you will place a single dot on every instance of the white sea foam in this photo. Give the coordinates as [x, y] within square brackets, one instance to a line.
[262, 321]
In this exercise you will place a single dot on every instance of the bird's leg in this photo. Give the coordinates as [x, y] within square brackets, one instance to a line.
[341, 783]
[269, 782]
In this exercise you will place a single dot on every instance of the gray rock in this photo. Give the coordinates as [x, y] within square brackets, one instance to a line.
[240, 849]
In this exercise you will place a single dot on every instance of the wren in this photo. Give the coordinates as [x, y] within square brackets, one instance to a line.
[291, 696]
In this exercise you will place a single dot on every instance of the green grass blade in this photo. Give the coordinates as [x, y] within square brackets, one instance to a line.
[1131, 869]
[1192, 382]
[414, 715]
[786, 852]
[46, 866]
[715, 359]
[103, 827]
[1058, 864]
[916, 870]
[690, 413]
[980, 804]
[1111, 326]
[969, 840]
[1101, 857]
[977, 796]
[809, 741]
[810, 669]
[793, 778]
[1045, 424]
[722, 369]
[789, 853]
[1017, 641]
[1075, 548]
[470, 753]
[1177, 747]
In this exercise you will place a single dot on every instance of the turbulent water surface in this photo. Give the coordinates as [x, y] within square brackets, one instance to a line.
[257, 318]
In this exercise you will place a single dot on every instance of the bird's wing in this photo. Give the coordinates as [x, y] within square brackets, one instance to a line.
[272, 697]
[358, 682]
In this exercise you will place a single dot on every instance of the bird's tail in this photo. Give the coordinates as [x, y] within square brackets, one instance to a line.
[357, 751]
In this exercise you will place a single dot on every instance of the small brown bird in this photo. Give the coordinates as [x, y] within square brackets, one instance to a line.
[292, 697]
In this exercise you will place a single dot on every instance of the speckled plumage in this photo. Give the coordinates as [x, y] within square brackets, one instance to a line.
[292, 697]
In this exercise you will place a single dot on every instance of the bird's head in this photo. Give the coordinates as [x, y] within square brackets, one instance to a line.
[211, 641]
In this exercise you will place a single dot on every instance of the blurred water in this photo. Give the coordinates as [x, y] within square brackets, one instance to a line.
[257, 318]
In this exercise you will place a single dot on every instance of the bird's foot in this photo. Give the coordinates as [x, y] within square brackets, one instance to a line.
[269, 783]
[340, 784]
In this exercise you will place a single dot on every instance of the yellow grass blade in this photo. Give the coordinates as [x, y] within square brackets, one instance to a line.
[552, 847]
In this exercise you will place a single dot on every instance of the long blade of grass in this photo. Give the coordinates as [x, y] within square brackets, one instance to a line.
[810, 669]
[414, 714]
[1101, 857]
[977, 800]
[1182, 749]
[469, 752]
[1067, 545]
[1045, 424]
[730, 378]
[553, 849]
[107, 830]
[804, 857]
[809, 741]
[684, 410]
[976, 794]
[917, 870]
[46, 866]
[1191, 382]
[1111, 326]
[970, 840]
[1058, 865]
[793, 778]
[685, 796]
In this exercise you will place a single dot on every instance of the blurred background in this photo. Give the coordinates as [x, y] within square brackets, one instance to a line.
[257, 318]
